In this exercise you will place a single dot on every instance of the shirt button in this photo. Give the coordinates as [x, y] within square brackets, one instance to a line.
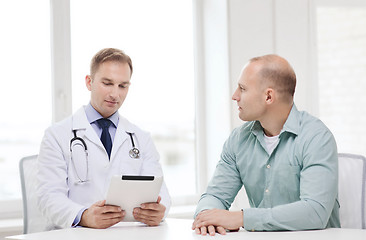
[268, 166]
[267, 191]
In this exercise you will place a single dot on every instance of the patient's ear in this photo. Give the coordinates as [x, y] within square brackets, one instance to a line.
[270, 95]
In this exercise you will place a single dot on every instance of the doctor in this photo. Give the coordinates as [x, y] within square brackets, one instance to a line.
[79, 155]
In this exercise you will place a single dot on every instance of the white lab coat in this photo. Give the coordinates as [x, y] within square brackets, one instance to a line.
[60, 199]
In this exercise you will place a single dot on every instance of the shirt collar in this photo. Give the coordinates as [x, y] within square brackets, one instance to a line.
[93, 115]
[291, 125]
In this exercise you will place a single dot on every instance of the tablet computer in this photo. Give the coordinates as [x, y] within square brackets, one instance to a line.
[130, 191]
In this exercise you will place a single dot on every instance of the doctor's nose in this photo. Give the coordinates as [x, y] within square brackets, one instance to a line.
[114, 92]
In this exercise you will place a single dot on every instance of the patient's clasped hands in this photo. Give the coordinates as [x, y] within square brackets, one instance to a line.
[217, 220]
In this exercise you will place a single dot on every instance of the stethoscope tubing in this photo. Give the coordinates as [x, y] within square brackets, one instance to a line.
[133, 153]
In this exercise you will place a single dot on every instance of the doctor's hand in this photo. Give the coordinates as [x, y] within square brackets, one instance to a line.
[150, 213]
[217, 220]
[100, 215]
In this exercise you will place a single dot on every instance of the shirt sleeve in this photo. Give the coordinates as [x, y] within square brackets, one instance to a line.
[78, 218]
[318, 192]
[225, 184]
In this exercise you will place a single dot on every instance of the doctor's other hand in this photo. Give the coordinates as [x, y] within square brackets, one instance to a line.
[150, 213]
[217, 220]
[100, 215]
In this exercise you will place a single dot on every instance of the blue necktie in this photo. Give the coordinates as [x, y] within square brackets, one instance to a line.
[106, 139]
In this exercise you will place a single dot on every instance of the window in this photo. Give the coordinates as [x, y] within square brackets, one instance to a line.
[161, 99]
[25, 94]
[342, 73]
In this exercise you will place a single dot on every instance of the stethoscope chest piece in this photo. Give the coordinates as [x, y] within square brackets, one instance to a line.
[134, 153]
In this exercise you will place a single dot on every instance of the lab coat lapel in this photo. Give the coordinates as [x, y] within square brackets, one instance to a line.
[85, 130]
[121, 135]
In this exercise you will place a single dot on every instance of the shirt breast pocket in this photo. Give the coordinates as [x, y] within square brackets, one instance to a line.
[295, 170]
[289, 181]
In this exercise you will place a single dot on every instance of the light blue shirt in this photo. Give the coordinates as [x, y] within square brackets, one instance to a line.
[293, 188]
[93, 116]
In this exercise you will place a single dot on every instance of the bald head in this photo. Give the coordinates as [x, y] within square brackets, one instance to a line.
[275, 72]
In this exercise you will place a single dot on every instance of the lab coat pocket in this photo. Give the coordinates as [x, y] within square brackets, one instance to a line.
[132, 166]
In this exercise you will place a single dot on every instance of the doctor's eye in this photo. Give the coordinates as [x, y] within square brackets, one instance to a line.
[124, 85]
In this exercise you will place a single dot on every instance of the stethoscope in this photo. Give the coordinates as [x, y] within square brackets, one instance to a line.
[133, 153]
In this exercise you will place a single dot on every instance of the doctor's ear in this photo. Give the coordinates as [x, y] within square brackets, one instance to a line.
[88, 81]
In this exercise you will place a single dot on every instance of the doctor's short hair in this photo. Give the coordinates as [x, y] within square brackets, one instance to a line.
[109, 55]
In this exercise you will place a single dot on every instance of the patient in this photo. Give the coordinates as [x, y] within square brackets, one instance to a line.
[286, 159]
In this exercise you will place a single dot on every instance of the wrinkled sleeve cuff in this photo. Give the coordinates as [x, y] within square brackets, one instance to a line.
[254, 218]
[78, 218]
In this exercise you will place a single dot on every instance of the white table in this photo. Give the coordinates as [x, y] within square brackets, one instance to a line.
[173, 229]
